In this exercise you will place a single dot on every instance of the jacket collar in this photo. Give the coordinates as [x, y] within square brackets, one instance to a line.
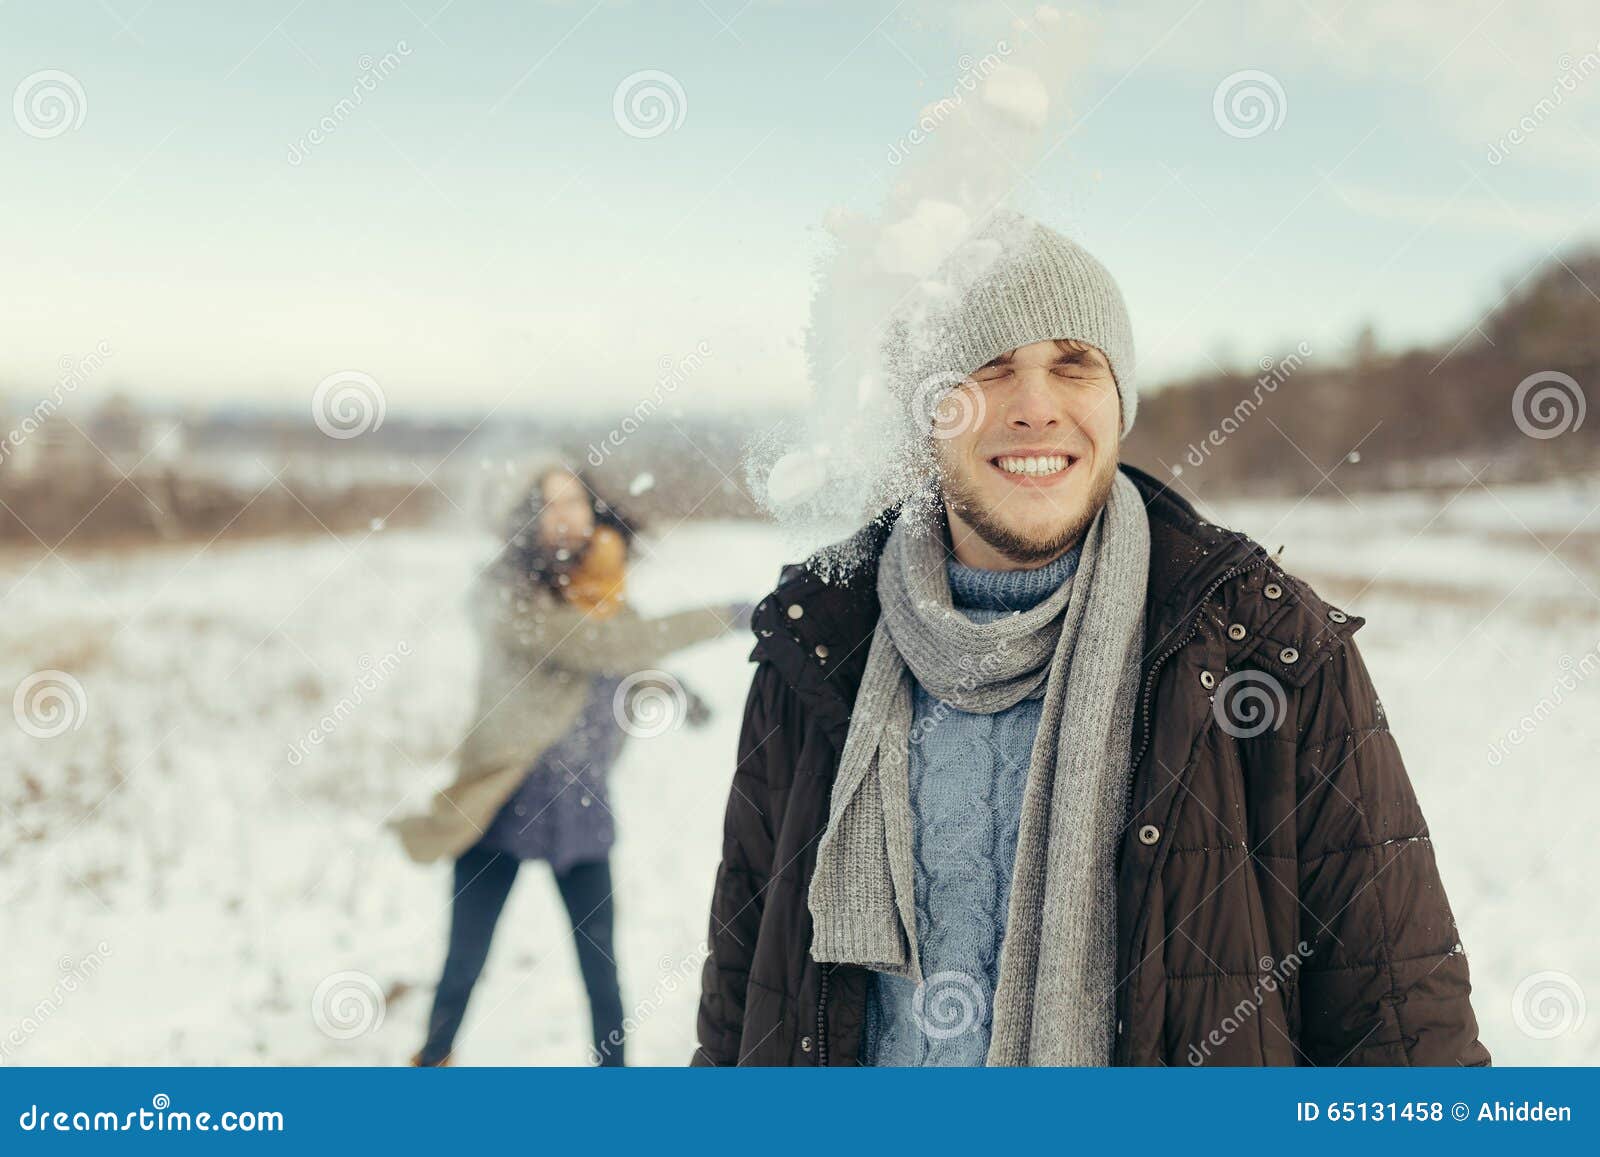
[816, 631]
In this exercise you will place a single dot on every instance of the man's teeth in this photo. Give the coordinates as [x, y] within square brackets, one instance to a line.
[1043, 464]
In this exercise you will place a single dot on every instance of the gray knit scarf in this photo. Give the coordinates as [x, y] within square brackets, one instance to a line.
[1053, 1004]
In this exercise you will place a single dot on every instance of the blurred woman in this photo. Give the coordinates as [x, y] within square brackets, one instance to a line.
[559, 644]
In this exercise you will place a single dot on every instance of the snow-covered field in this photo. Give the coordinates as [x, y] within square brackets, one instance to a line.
[181, 886]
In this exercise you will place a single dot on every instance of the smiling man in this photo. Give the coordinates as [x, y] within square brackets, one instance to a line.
[1061, 773]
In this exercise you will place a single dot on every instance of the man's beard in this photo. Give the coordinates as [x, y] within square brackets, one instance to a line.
[1024, 551]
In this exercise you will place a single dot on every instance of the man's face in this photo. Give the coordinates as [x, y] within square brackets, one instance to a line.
[1023, 480]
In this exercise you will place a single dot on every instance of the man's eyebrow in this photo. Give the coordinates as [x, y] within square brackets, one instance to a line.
[1068, 352]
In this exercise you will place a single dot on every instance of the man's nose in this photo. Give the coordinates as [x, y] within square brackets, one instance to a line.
[1033, 404]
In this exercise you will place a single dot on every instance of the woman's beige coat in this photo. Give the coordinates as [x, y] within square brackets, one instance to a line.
[539, 657]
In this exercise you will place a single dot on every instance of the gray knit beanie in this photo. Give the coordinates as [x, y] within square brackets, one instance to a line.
[1013, 282]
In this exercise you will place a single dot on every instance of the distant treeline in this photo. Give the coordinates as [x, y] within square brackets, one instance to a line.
[94, 504]
[1507, 398]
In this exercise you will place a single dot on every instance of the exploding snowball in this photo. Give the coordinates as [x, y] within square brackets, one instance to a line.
[796, 477]
[1019, 94]
[915, 245]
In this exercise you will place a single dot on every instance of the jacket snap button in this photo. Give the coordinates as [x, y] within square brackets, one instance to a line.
[1149, 834]
[805, 1044]
[1207, 680]
[796, 610]
[1236, 632]
[1272, 591]
[822, 651]
[1288, 655]
[1338, 616]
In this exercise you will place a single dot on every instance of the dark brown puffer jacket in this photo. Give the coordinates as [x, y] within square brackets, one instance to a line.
[1278, 901]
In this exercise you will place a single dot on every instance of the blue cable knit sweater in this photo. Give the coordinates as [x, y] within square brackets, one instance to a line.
[967, 777]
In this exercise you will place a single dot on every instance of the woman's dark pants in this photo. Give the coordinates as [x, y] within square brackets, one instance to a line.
[483, 880]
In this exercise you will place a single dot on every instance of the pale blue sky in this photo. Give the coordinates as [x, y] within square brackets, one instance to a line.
[481, 232]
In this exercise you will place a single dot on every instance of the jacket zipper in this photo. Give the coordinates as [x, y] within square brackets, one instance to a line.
[1155, 668]
[1144, 714]
[822, 1018]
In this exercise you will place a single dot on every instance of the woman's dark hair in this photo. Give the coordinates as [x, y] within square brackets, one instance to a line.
[526, 557]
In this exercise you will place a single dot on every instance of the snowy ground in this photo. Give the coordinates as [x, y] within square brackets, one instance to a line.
[177, 890]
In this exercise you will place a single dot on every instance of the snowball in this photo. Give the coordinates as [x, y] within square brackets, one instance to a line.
[795, 476]
[1018, 94]
[915, 244]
